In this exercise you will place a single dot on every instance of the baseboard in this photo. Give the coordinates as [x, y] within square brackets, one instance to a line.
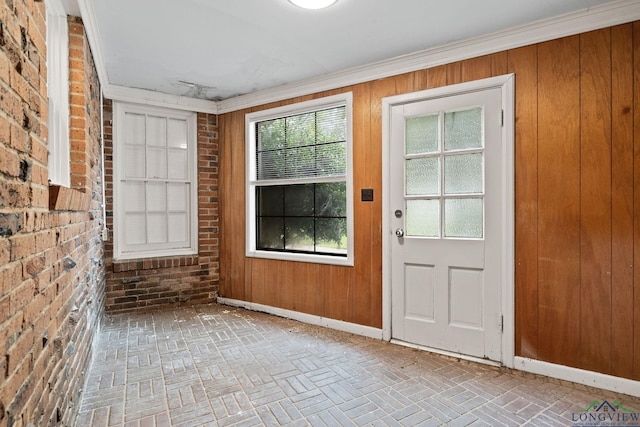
[579, 376]
[311, 319]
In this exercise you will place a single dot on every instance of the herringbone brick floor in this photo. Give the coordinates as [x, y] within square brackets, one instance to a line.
[220, 366]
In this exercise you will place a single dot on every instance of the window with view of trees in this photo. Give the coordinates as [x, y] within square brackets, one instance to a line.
[299, 172]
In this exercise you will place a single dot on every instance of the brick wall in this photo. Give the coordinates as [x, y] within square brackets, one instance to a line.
[169, 281]
[51, 260]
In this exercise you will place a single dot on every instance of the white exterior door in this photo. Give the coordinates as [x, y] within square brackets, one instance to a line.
[445, 197]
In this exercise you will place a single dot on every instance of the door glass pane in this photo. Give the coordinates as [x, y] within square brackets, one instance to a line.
[463, 129]
[463, 218]
[423, 218]
[422, 134]
[463, 173]
[423, 176]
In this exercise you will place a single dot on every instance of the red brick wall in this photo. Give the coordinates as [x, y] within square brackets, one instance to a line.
[51, 260]
[157, 282]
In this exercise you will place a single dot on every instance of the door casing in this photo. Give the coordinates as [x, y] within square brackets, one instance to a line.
[507, 85]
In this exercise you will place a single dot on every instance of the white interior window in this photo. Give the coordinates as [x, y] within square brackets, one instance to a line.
[155, 182]
[299, 182]
[58, 91]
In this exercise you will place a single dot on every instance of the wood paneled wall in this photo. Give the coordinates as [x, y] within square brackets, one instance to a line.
[577, 189]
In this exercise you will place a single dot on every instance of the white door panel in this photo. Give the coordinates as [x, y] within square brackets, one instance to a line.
[445, 199]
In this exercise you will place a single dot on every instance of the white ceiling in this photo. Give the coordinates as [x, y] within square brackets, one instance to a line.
[219, 49]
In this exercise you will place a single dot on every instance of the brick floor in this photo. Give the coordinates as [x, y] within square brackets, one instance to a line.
[221, 366]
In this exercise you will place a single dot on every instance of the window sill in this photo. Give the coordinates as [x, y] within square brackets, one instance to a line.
[313, 259]
[68, 199]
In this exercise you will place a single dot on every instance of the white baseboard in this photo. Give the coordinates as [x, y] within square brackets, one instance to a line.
[579, 376]
[311, 319]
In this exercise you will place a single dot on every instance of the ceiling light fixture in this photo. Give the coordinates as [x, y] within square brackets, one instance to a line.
[313, 4]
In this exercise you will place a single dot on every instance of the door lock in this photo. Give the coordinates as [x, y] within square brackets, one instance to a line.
[400, 232]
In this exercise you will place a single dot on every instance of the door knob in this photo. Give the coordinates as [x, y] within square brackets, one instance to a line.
[399, 232]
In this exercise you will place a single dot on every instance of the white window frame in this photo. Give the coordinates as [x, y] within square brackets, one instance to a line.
[346, 100]
[121, 251]
[58, 93]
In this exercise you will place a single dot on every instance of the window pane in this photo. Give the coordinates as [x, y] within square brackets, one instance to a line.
[301, 130]
[423, 176]
[463, 129]
[300, 162]
[156, 163]
[331, 199]
[133, 197]
[178, 227]
[331, 235]
[135, 229]
[156, 131]
[134, 129]
[177, 133]
[463, 218]
[177, 196]
[331, 159]
[422, 134]
[271, 165]
[270, 201]
[331, 126]
[463, 173]
[178, 166]
[299, 234]
[134, 163]
[423, 218]
[298, 200]
[271, 134]
[156, 196]
[271, 233]
[157, 223]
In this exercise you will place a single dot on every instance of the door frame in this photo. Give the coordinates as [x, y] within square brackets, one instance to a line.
[507, 85]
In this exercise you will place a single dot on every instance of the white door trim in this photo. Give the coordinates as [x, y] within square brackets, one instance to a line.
[507, 84]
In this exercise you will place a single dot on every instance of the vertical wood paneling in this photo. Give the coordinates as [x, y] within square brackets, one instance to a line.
[559, 201]
[362, 178]
[595, 200]
[437, 76]
[523, 63]
[577, 203]
[622, 199]
[636, 200]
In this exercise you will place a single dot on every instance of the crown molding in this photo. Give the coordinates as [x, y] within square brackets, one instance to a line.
[158, 99]
[609, 14]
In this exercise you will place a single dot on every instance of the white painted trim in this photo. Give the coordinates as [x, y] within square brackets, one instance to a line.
[159, 99]
[339, 325]
[606, 15]
[507, 85]
[579, 376]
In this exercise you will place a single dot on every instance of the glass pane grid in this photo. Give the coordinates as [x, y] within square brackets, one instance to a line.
[444, 181]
